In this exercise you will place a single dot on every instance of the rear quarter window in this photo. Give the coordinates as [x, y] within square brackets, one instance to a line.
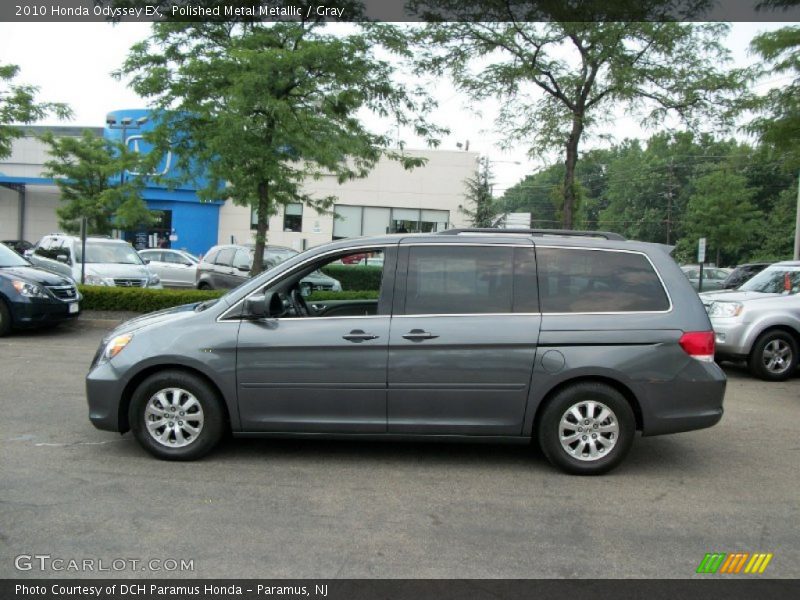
[590, 281]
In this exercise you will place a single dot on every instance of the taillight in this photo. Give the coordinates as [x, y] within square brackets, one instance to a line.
[698, 344]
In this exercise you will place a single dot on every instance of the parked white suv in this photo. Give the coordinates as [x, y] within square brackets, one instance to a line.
[108, 261]
[760, 321]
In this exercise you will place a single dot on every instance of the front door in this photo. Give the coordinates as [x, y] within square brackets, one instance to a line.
[463, 339]
[320, 368]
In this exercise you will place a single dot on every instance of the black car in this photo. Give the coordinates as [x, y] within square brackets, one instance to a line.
[30, 297]
[18, 246]
[741, 274]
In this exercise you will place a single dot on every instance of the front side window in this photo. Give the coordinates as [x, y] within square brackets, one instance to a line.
[588, 281]
[225, 257]
[459, 280]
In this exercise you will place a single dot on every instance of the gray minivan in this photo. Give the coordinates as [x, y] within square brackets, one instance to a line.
[576, 339]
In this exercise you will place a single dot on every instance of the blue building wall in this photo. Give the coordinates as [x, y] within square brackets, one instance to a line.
[194, 222]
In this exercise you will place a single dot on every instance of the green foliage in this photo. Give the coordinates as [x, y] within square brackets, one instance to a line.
[89, 172]
[18, 105]
[779, 122]
[348, 295]
[721, 210]
[145, 300]
[558, 80]
[140, 299]
[480, 207]
[261, 107]
[356, 277]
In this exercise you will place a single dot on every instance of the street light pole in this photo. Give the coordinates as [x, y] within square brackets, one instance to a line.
[125, 123]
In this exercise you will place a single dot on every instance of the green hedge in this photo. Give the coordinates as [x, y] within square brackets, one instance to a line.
[97, 297]
[354, 277]
[147, 300]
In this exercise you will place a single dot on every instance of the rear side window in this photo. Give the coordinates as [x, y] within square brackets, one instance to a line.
[586, 281]
[459, 280]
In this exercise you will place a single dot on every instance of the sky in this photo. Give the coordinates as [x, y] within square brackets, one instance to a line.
[72, 63]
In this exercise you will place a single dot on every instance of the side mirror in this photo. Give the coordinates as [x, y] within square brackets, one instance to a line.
[244, 268]
[263, 306]
[146, 261]
[62, 258]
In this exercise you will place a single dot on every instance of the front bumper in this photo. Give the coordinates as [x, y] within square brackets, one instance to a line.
[32, 312]
[104, 389]
[731, 336]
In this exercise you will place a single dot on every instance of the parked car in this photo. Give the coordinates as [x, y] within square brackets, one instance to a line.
[175, 268]
[18, 246]
[741, 274]
[713, 277]
[108, 261]
[31, 297]
[760, 321]
[469, 335]
[225, 267]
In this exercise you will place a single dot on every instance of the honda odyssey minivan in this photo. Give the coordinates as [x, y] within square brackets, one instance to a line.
[577, 340]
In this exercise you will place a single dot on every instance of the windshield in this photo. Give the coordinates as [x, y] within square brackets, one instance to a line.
[775, 280]
[108, 252]
[9, 258]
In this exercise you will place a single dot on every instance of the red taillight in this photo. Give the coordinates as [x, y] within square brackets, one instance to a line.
[698, 344]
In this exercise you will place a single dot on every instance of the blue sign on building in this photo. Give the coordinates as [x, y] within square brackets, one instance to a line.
[185, 221]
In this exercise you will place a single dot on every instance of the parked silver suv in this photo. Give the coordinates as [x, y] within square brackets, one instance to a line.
[108, 261]
[575, 340]
[760, 321]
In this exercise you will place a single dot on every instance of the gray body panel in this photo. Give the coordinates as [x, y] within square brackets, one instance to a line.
[479, 376]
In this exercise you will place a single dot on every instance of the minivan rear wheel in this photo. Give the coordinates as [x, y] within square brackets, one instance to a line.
[586, 429]
[774, 356]
[176, 416]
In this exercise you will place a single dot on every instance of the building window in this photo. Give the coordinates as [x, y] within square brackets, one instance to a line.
[355, 221]
[293, 217]
[254, 219]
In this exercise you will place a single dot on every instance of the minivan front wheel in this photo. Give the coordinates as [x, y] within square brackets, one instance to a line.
[176, 416]
[586, 429]
[774, 356]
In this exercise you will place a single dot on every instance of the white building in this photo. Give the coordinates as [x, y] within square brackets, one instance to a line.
[390, 199]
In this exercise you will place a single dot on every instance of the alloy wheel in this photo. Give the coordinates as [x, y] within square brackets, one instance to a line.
[588, 430]
[174, 417]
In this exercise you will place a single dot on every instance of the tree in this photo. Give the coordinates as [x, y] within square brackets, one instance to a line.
[18, 105]
[558, 80]
[779, 123]
[479, 196]
[95, 176]
[260, 107]
[720, 209]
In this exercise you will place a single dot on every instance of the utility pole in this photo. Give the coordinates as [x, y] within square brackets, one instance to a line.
[669, 194]
[797, 223]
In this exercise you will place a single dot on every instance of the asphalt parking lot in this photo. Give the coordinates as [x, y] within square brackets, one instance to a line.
[276, 508]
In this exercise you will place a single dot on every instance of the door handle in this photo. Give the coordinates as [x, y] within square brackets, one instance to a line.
[418, 335]
[358, 336]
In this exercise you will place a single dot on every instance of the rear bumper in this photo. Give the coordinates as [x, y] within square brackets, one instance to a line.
[692, 400]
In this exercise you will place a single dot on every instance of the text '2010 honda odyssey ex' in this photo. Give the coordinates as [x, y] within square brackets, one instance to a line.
[576, 340]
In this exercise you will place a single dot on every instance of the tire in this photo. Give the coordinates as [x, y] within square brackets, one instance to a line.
[5, 318]
[617, 429]
[774, 356]
[204, 285]
[180, 439]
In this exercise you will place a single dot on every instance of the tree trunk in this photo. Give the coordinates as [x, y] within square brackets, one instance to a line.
[570, 197]
[262, 218]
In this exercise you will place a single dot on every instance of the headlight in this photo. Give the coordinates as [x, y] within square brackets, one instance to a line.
[95, 280]
[29, 290]
[725, 309]
[115, 346]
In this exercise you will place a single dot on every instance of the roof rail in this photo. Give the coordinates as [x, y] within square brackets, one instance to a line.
[537, 232]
